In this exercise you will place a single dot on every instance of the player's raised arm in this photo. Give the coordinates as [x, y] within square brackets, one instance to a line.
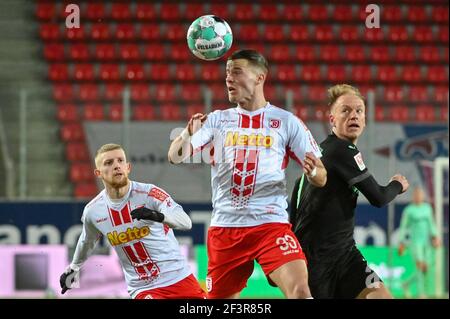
[181, 147]
[314, 170]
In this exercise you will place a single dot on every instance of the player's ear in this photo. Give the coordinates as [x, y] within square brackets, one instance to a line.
[97, 172]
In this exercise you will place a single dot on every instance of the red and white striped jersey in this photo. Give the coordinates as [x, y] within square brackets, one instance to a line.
[148, 251]
[250, 153]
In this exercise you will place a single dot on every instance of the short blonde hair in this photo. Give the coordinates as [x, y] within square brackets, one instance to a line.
[106, 148]
[338, 90]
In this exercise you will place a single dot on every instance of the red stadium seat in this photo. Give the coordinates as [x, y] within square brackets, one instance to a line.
[343, 13]
[337, 73]
[392, 13]
[417, 14]
[125, 32]
[176, 32]
[268, 12]
[316, 93]
[437, 74]
[443, 113]
[129, 52]
[386, 73]
[218, 91]
[81, 172]
[418, 93]
[88, 92]
[193, 11]
[63, 92]
[170, 112]
[279, 53]
[425, 113]
[143, 113]
[95, 11]
[67, 113]
[379, 113]
[349, 33]
[323, 33]
[75, 34]
[439, 14]
[354, 53]
[85, 190]
[302, 112]
[380, 54]
[145, 11]
[286, 72]
[273, 32]
[305, 53]
[404, 53]
[423, 34]
[361, 73]
[321, 113]
[72, 132]
[83, 72]
[296, 91]
[271, 94]
[154, 52]
[49, 31]
[398, 34]
[429, 54]
[393, 93]
[185, 72]
[93, 112]
[249, 32]
[211, 72]
[440, 94]
[330, 53]
[77, 151]
[120, 11]
[54, 52]
[100, 32]
[45, 10]
[398, 113]
[109, 72]
[374, 34]
[192, 109]
[244, 12]
[160, 72]
[310, 73]
[299, 33]
[115, 112]
[134, 72]
[79, 52]
[139, 92]
[220, 10]
[165, 93]
[150, 32]
[113, 91]
[318, 13]
[58, 72]
[180, 52]
[442, 34]
[169, 11]
[191, 92]
[411, 73]
[292, 13]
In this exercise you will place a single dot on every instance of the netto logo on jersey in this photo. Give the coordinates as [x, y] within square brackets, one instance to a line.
[236, 139]
[116, 238]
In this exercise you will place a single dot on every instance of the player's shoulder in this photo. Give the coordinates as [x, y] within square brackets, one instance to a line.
[139, 187]
[97, 200]
[334, 145]
[280, 112]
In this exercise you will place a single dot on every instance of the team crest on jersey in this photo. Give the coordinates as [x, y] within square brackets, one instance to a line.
[359, 161]
[274, 123]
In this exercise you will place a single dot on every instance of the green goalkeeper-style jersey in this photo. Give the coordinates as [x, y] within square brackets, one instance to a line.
[417, 221]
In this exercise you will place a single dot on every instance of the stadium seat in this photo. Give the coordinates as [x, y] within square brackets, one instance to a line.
[305, 53]
[154, 52]
[93, 112]
[220, 10]
[75, 34]
[393, 93]
[125, 32]
[429, 54]
[76, 151]
[67, 113]
[218, 91]
[316, 93]
[129, 52]
[349, 33]
[145, 11]
[292, 12]
[442, 34]
[286, 72]
[109, 72]
[85, 190]
[318, 13]
[425, 113]
[354, 53]
[134, 72]
[440, 94]
[45, 10]
[160, 72]
[379, 54]
[330, 53]
[392, 13]
[417, 14]
[192, 109]
[79, 52]
[150, 32]
[279, 53]
[165, 93]
[176, 32]
[120, 11]
[337, 73]
[58, 72]
[49, 31]
[411, 73]
[185, 72]
[83, 72]
[100, 32]
[191, 93]
[404, 53]
[268, 12]
[115, 113]
[299, 33]
[105, 52]
[94, 11]
[321, 113]
[437, 74]
[296, 91]
[81, 172]
[271, 94]
[302, 112]
[248, 32]
[54, 52]
[323, 33]
[171, 112]
[143, 113]
[179, 52]
[418, 93]
[423, 34]
[113, 91]
[71, 132]
[361, 73]
[244, 12]
[386, 73]
[398, 113]
[439, 14]
[139, 92]
[273, 32]
[443, 113]
[88, 92]
[193, 11]
[374, 34]
[379, 113]
[63, 92]
[343, 13]
[398, 34]
[211, 72]
[310, 73]
[169, 11]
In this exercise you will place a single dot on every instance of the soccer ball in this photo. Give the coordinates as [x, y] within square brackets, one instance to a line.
[209, 37]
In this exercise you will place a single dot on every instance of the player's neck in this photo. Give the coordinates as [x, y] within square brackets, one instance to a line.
[253, 104]
[117, 192]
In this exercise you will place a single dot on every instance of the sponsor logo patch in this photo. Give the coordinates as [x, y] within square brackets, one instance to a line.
[359, 161]
[158, 194]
